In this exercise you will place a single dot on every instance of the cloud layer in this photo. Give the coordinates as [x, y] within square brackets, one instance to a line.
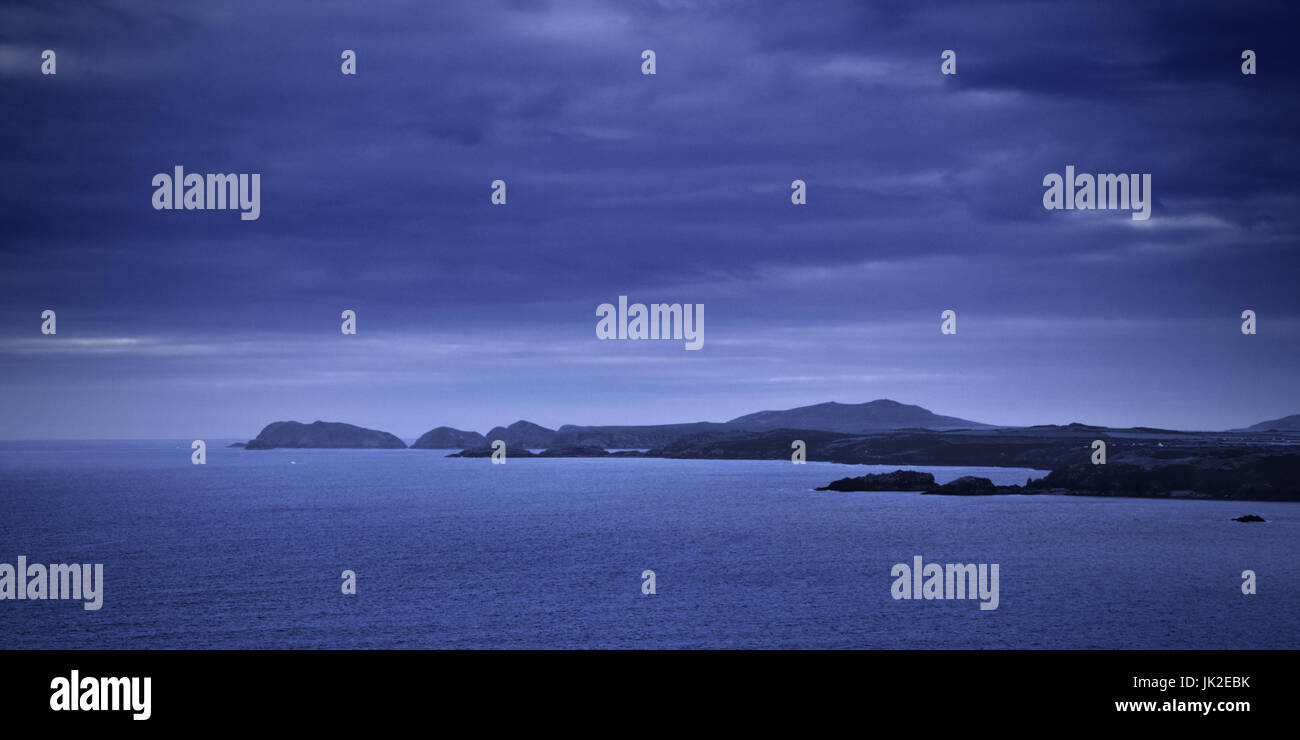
[924, 194]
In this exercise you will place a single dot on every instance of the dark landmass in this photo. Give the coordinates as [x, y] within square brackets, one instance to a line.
[899, 480]
[551, 452]
[904, 447]
[1285, 424]
[575, 451]
[1258, 464]
[853, 418]
[640, 437]
[835, 418]
[1252, 476]
[1248, 518]
[322, 434]
[446, 438]
[487, 452]
[880, 431]
[523, 434]
[1042, 447]
[970, 485]
[238, 444]
[773, 445]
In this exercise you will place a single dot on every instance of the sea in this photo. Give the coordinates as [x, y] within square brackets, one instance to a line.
[249, 551]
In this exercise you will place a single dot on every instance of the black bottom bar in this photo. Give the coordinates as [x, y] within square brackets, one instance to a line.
[988, 690]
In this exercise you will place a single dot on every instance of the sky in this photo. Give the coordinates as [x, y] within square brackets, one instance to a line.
[924, 194]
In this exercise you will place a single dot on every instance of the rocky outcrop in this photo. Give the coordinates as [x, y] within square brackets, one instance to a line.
[1255, 476]
[487, 452]
[899, 480]
[524, 434]
[447, 438]
[323, 434]
[970, 485]
[575, 452]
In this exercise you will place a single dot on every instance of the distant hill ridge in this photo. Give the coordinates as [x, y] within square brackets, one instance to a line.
[850, 418]
[872, 417]
[1285, 424]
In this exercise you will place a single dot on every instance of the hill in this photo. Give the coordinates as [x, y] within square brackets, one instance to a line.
[851, 418]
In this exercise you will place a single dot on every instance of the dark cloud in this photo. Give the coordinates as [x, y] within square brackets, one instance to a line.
[924, 194]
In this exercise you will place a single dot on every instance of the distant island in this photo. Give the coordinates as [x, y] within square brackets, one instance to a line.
[322, 434]
[874, 416]
[446, 438]
[1261, 462]
[1260, 478]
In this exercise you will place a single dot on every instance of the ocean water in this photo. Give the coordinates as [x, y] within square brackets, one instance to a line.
[247, 551]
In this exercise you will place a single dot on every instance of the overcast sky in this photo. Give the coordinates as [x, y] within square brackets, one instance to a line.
[924, 194]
